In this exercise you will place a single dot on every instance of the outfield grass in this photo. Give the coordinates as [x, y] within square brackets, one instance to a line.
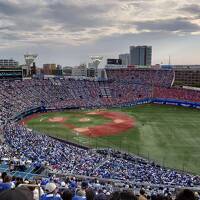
[167, 134]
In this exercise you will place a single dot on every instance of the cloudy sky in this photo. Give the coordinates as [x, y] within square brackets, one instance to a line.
[67, 32]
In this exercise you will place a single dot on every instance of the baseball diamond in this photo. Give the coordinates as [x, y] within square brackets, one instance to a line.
[162, 133]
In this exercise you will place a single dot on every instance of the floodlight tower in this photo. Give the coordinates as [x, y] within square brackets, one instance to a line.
[29, 59]
[94, 64]
[96, 60]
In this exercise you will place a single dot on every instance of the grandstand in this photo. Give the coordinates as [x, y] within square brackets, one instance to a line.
[29, 154]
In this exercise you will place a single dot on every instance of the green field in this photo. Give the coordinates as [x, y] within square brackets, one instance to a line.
[167, 134]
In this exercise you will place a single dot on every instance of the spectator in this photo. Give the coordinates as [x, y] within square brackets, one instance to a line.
[3, 175]
[124, 195]
[142, 195]
[127, 195]
[67, 195]
[19, 193]
[100, 195]
[186, 195]
[6, 184]
[80, 195]
[51, 193]
[90, 194]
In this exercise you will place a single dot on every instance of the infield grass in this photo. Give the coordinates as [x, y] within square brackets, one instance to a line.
[167, 134]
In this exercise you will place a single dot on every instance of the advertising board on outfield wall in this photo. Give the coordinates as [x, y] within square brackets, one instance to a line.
[176, 103]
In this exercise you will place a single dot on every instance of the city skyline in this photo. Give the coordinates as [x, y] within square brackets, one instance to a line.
[67, 32]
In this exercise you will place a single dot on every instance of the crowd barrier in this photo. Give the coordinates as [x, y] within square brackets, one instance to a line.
[120, 183]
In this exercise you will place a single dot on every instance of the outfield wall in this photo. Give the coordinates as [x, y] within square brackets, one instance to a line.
[174, 102]
[164, 102]
[26, 113]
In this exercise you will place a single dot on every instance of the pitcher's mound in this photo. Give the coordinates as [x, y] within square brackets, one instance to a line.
[57, 119]
[85, 119]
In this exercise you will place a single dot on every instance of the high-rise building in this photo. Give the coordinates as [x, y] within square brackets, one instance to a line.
[140, 55]
[49, 69]
[125, 58]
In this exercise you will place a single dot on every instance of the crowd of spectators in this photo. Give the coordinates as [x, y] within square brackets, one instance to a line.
[163, 78]
[177, 94]
[19, 96]
[41, 149]
[72, 188]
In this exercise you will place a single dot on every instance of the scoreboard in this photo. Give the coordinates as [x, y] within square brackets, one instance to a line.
[114, 61]
[10, 73]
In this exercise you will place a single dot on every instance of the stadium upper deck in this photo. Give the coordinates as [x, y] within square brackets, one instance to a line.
[153, 77]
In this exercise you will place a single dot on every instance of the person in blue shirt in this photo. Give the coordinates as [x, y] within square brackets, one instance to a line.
[80, 195]
[51, 192]
[6, 184]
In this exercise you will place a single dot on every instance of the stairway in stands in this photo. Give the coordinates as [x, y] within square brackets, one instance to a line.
[105, 91]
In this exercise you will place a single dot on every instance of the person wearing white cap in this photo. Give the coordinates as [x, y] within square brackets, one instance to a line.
[51, 193]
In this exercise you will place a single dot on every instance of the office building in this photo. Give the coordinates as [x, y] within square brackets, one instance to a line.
[187, 75]
[80, 70]
[140, 55]
[8, 63]
[125, 58]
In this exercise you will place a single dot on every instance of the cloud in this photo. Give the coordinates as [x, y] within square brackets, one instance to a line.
[75, 16]
[178, 24]
[13, 9]
[77, 23]
[191, 8]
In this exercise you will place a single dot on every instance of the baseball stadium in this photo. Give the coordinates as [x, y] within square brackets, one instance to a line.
[133, 128]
